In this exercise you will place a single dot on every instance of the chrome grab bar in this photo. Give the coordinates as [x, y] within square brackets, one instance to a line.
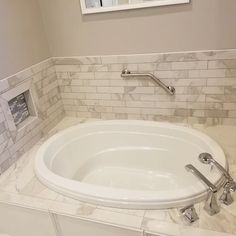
[128, 74]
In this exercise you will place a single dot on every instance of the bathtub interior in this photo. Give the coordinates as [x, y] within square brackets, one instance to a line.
[133, 157]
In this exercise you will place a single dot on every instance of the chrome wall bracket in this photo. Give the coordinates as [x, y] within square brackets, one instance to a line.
[128, 74]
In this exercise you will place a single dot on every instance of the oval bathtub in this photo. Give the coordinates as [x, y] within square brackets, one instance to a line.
[128, 164]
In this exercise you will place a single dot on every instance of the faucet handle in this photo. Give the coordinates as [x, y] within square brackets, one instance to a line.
[226, 196]
[189, 213]
[232, 186]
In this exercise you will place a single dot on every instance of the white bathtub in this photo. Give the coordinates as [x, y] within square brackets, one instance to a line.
[128, 164]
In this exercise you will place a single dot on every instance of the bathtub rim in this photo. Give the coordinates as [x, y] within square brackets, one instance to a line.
[130, 202]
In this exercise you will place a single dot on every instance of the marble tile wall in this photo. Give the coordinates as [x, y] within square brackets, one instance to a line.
[91, 87]
[15, 141]
[205, 83]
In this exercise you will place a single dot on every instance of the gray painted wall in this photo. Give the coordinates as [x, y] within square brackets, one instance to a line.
[203, 24]
[22, 38]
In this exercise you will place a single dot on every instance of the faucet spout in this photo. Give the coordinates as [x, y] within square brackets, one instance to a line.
[199, 175]
[211, 205]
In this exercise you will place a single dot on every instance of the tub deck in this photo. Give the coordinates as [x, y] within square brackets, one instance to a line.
[19, 186]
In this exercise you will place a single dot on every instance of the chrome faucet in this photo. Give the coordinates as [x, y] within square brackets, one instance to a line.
[229, 186]
[211, 205]
[128, 74]
[226, 196]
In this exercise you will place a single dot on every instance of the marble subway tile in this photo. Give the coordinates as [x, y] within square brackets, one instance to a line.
[196, 113]
[231, 114]
[185, 82]
[213, 90]
[139, 90]
[73, 95]
[77, 60]
[131, 59]
[221, 54]
[97, 83]
[107, 75]
[19, 77]
[66, 68]
[4, 85]
[84, 89]
[126, 110]
[229, 106]
[140, 104]
[112, 103]
[163, 66]
[228, 121]
[230, 73]
[230, 90]
[157, 111]
[146, 67]
[221, 82]
[203, 105]
[222, 98]
[216, 73]
[109, 89]
[102, 96]
[170, 105]
[222, 64]
[175, 74]
[217, 113]
[192, 65]
[80, 75]
[120, 67]
[116, 82]
[93, 68]
[42, 66]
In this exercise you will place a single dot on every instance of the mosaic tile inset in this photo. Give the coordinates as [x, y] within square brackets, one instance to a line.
[19, 108]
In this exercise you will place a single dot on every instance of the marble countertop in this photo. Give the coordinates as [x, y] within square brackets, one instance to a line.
[19, 186]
